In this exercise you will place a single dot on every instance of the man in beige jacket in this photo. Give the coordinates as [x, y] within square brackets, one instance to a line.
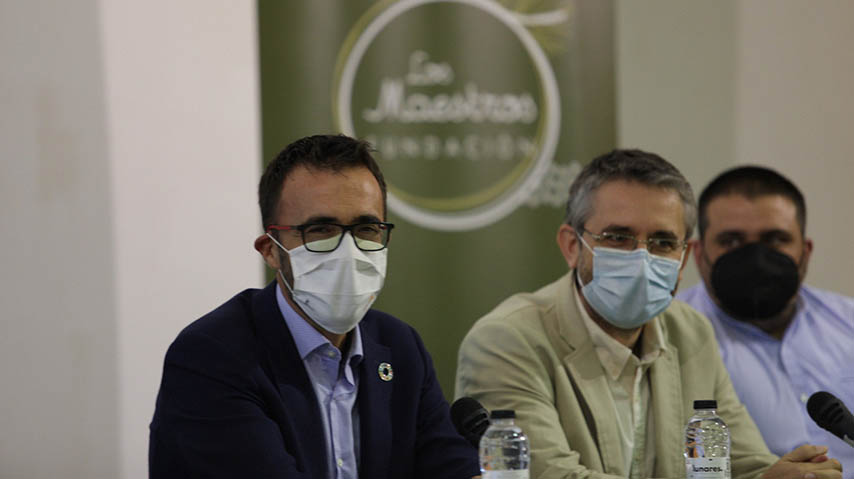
[600, 366]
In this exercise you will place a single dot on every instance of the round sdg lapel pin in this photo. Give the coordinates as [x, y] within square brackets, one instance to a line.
[385, 371]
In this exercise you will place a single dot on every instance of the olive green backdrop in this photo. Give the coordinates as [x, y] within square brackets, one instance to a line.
[461, 114]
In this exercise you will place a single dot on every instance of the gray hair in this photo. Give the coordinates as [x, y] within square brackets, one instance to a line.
[628, 165]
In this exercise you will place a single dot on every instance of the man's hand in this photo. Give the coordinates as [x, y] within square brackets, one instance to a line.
[805, 462]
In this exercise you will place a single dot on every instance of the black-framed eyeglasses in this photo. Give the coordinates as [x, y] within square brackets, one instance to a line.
[655, 245]
[326, 237]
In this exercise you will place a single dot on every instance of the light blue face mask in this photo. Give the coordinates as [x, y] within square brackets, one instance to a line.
[630, 287]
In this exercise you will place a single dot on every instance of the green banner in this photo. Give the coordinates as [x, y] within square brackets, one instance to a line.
[482, 112]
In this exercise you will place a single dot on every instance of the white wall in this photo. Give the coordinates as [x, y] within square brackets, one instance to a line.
[57, 326]
[795, 112]
[130, 156]
[712, 84]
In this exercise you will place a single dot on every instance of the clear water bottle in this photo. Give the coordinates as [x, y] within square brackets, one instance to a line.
[707, 443]
[504, 452]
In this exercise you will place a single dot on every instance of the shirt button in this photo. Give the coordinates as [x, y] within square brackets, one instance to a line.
[340, 463]
[804, 398]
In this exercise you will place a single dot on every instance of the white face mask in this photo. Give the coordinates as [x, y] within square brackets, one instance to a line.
[336, 289]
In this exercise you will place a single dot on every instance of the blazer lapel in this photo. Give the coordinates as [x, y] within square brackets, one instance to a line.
[374, 410]
[591, 387]
[588, 377]
[666, 397]
[300, 423]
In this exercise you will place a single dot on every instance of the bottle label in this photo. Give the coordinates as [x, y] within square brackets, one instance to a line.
[707, 467]
[515, 474]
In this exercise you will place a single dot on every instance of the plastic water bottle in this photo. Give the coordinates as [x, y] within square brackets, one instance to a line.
[504, 452]
[707, 443]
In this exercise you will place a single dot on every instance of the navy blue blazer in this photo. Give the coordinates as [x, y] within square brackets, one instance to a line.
[235, 401]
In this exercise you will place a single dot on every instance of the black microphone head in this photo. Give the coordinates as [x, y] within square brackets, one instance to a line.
[828, 412]
[470, 419]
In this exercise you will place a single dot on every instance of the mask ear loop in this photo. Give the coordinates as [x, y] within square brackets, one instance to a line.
[276, 241]
[279, 271]
[682, 256]
[577, 278]
[581, 238]
[290, 290]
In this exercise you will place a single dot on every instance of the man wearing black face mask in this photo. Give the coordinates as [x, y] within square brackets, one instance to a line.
[780, 339]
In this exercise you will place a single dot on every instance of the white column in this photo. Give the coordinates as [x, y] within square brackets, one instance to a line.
[184, 142]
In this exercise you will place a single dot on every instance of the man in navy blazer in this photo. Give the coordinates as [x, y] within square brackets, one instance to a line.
[301, 379]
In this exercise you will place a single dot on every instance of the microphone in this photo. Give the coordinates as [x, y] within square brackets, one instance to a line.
[470, 419]
[828, 412]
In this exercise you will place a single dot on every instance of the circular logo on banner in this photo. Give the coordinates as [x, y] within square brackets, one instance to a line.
[461, 103]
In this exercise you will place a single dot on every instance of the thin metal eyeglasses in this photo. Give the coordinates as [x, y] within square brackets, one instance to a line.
[656, 246]
[326, 237]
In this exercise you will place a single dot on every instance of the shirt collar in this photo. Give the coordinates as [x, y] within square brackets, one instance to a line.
[612, 354]
[307, 338]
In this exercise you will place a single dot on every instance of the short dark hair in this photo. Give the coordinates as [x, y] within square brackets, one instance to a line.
[751, 182]
[630, 165]
[322, 152]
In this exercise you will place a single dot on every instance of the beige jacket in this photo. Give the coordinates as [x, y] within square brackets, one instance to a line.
[533, 354]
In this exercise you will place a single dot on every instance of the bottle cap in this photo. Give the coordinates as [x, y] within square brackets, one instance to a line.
[706, 404]
[502, 414]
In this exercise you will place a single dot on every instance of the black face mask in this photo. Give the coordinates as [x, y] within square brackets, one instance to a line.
[754, 281]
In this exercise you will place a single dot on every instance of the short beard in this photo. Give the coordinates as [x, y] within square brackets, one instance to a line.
[285, 272]
[583, 271]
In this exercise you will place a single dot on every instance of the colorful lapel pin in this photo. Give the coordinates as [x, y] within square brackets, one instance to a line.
[385, 371]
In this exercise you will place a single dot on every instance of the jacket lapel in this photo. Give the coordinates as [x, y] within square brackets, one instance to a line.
[593, 395]
[300, 423]
[666, 397]
[374, 409]
[588, 377]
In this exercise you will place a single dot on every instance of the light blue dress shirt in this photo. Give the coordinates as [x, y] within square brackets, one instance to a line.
[336, 384]
[775, 378]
